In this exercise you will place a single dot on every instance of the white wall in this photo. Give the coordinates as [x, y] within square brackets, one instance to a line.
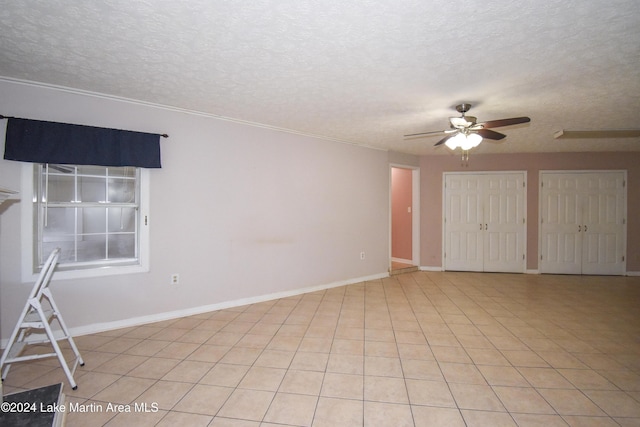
[240, 212]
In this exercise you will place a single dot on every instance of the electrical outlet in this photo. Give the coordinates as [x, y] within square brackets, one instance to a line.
[175, 279]
[362, 255]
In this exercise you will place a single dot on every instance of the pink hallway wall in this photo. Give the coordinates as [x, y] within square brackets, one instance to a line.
[401, 199]
[432, 167]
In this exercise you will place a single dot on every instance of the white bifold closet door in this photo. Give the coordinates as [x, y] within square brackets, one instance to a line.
[583, 222]
[485, 221]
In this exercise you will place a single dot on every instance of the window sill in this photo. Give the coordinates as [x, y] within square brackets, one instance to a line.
[93, 272]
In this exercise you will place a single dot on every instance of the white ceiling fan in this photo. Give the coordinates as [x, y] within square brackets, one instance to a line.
[466, 133]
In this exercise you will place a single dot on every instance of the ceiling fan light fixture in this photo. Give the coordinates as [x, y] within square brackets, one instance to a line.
[473, 140]
[465, 142]
[455, 141]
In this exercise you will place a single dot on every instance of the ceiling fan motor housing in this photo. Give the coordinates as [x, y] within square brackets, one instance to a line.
[463, 108]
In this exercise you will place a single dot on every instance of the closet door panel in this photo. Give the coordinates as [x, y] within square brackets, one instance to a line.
[484, 228]
[463, 216]
[561, 242]
[504, 222]
[603, 240]
[582, 222]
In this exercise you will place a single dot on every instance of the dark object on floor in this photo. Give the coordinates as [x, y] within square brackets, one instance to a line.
[39, 407]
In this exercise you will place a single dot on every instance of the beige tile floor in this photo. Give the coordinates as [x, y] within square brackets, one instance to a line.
[423, 349]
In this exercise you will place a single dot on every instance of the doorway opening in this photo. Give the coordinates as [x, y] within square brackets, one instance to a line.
[404, 217]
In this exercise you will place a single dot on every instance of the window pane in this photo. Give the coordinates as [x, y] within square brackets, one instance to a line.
[122, 190]
[89, 229]
[91, 189]
[91, 248]
[60, 224]
[92, 170]
[61, 188]
[122, 246]
[127, 171]
[122, 220]
[67, 250]
[93, 220]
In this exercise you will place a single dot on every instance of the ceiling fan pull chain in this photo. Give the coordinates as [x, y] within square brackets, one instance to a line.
[465, 158]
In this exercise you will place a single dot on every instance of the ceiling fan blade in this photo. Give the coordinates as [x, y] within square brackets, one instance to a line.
[424, 133]
[443, 140]
[490, 134]
[505, 122]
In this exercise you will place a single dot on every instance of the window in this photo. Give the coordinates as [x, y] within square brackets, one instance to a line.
[90, 191]
[95, 214]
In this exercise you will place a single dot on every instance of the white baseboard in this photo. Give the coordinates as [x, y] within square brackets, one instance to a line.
[402, 260]
[169, 315]
[430, 268]
[436, 268]
[633, 273]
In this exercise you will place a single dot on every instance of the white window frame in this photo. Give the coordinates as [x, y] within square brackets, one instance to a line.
[30, 234]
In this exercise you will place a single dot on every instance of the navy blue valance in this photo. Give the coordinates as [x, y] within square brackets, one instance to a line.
[38, 141]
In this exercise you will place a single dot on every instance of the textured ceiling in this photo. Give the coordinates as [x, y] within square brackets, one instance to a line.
[364, 72]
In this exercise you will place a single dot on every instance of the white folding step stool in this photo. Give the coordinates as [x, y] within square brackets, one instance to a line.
[36, 317]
